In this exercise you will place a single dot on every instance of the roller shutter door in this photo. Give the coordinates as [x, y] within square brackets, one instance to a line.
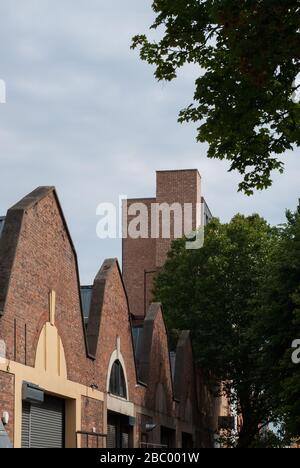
[111, 436]
[43, 425]
[26, 425]
[125, 439]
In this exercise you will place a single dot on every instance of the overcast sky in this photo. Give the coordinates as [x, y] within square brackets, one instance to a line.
[83, 113]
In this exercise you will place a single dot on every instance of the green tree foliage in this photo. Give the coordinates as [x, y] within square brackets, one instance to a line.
[270, 439]
[248, 53]
[215, 292]
[240, 296]
[281, 324]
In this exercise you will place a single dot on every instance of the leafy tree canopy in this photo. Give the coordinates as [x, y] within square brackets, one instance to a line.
[280, 324]
[248, 53]
[216, 292]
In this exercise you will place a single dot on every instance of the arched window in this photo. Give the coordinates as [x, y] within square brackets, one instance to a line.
[117, 383]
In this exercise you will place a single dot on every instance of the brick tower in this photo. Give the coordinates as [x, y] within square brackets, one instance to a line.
[177, 191]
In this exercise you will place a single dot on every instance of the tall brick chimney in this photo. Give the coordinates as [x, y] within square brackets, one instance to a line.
[145, 256]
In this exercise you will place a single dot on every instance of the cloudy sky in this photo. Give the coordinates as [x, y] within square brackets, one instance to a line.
[83, 113]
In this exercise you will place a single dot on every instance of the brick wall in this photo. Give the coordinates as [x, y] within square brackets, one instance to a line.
[37, 256]
[155, 362]
[184, 380]
[183, 187]
[143, 257]
[138, 264]
[114, 323]
[44, 260]
[92, 412]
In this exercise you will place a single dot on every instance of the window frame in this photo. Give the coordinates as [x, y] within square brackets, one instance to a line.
[117, 381]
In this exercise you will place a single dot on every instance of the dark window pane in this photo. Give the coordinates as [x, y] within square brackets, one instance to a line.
[117, 385]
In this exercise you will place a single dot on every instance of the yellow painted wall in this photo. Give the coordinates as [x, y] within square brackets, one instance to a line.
[50, 373]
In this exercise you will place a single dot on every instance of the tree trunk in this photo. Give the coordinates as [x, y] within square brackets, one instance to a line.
[250, 427]
[247, 435]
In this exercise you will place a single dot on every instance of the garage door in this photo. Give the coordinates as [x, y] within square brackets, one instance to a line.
[43, 426]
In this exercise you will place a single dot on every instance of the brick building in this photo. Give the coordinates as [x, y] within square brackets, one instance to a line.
[144, 257]
[81, 368]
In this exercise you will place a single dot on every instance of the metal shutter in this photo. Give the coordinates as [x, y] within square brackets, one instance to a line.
[111, 436]
[26, 425]
[43, 426]
[125, 440]
[47, 424]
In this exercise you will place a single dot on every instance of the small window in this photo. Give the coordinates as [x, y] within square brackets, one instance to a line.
[117, 384]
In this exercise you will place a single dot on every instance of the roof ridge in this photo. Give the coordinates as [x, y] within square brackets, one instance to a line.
[33, 197]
